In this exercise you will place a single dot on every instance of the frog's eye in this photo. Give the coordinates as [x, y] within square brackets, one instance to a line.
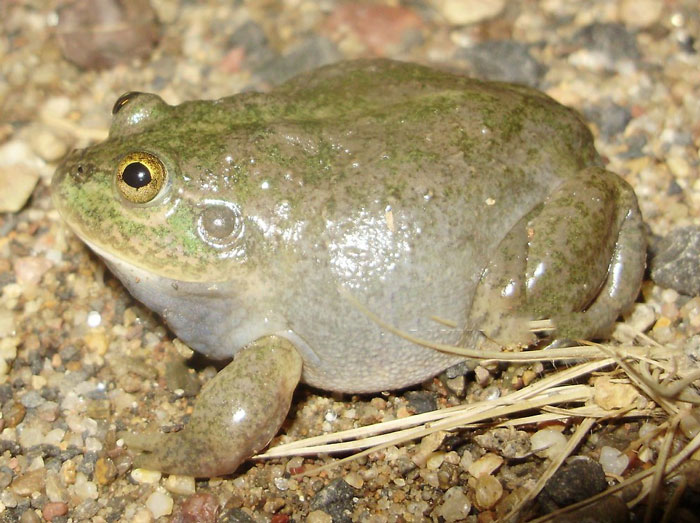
[123, 100]
[140, 177]
[220, 224]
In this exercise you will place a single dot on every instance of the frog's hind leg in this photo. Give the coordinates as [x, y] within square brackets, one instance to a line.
[578, 258]
[237, 414]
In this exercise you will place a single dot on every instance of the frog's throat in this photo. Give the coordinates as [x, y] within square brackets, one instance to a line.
[175, 300]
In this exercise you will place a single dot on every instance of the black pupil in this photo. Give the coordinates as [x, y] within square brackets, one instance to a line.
[136, 175]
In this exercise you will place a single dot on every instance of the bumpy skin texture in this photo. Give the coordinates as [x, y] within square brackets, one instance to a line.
[229, 424]
[421, 193]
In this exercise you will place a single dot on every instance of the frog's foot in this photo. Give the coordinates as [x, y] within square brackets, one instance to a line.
[578, 259]
[237, 414]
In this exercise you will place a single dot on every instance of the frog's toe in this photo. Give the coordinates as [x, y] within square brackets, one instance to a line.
[237, 414]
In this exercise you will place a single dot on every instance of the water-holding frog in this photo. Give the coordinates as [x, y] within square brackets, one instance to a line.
[457, 210]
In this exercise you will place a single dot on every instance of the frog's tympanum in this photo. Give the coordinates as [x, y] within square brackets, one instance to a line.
[456, 210]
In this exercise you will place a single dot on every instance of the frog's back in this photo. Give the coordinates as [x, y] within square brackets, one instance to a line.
[407, 180]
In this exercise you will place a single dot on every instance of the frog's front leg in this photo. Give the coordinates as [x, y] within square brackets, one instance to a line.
[237, 414]
[578, 259]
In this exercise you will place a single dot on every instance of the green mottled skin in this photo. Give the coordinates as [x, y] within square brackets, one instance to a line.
[421, 193]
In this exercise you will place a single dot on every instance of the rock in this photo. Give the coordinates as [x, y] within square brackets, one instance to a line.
[384, 30]
[421, 401]
[19, 173]
[182, 485]
[504, 60]
[578, 479]
[463, 12]
[336, 501]
[676, 264]
[159, 503]
[455, 505]
[312, 53]
[29, 483]
[488, 491]
[613, 461]
[605, 46]
[508, 442]
[252, 39]
[611, 395]
[610, 509]
[54, 509]
[198, 508]
[640, 13]
[98, 34]
[611, 118]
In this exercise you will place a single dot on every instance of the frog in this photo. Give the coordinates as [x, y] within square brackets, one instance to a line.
[268, 229]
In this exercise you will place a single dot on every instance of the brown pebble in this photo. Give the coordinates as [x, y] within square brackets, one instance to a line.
[54, 509]
[199, 508]
[105, 471]
[28, 483]
[100, 34]
[13, 413]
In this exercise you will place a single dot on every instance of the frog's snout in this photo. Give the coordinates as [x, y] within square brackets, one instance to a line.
[75, 166]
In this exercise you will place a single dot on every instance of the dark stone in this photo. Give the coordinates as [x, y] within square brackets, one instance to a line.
[635, 145]
[31, 399]
[611, 509]
[13, 448]
[421, 401]
[5, 393]
[44, 450]
[461, 369]
[336, 501]
[676, 263]
[504, 60]
[87, 466]
[579, 479]
[251, 37]
[612, 40]
[611, 119]
[310, 54]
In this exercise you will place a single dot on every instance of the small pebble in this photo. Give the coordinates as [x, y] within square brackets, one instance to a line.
[159, 503]
[105, 471]
[488, 491]
[182, 485]
[318, 516]
[145, 476]
[427, 446]
[463, 12]
[485, 465]
[28, 483]
[455, 505]
[202, 508]
[550, 441]
[54, 509]
[613, 461]
[354, 480]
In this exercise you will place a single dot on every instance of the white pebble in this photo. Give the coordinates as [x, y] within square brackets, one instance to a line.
[548, 443]
[463, 12]
[160, 504]
[613, 461]
[485, 465]
[182, 485]
[455, 505]
[94, 319]
[145, 476]
[488, 491]
[83, 488]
